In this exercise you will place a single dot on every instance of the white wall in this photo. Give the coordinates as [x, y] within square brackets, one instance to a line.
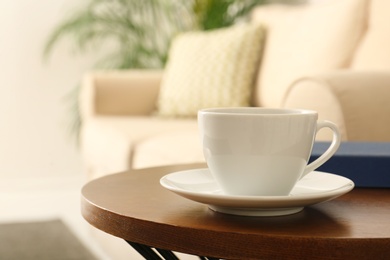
[34, 116]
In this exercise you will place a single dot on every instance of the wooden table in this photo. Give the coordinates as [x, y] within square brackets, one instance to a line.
[134, 206]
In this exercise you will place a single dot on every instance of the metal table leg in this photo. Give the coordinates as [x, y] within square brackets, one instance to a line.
[150, 254]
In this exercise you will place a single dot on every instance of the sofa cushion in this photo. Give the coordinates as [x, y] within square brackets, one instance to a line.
[373, 52]
[305, 39]
[210, 69]
[109, 143]
[175, 147]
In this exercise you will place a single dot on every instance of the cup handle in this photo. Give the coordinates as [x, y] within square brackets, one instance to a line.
[331, 150]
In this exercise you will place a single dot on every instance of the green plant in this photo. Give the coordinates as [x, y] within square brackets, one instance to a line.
[140, 31]
[213, 14]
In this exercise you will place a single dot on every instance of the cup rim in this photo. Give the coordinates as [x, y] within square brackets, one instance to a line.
[253, 111]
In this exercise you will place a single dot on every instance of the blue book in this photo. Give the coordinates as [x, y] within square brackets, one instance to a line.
[367, 164]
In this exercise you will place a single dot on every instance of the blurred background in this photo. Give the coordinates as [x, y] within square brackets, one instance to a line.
[40, 165]
[35, 137]
[37, 91]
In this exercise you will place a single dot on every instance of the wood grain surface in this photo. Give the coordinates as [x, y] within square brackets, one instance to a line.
[134, 206]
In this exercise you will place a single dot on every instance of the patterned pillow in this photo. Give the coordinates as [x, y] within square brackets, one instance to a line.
[211, 69]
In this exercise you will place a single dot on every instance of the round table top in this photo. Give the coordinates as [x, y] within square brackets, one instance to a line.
[134, 206]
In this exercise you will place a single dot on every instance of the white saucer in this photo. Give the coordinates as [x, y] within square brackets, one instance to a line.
[199, 185]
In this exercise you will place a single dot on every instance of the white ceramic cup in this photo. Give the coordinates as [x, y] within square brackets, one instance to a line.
[261, 151]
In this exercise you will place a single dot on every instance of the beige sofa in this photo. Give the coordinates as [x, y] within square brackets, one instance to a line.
[333, 57]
